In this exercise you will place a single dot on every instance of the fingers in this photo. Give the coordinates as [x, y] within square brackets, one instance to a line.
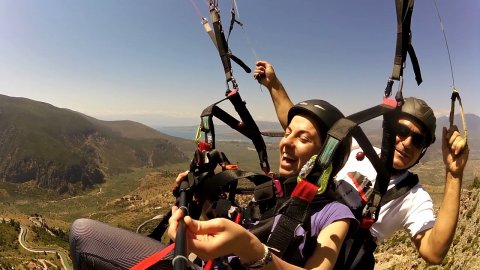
[180, 177]
[260, 70]
[177, 215]
[264, 73]
[444, 138]
[261, 64]
[456, 142]
[212, 226]
[204, 249]
[458, 145]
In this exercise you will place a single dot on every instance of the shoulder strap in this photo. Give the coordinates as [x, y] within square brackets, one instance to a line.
[294, 213]
[223, 178]
[233, 95]
[269, 198]
[404, 41]
[400, 189]
[359, 246]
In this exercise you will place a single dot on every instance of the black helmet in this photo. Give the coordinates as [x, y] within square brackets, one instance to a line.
[325, 115]
[420, 112]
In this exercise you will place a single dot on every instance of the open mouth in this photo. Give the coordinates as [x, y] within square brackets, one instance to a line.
[288, 162]
[288, 158]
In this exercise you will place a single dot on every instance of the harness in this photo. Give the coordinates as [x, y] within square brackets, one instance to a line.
[359, 246]
[357, 250]
[202, 182]
[313, 186]
[313, 181]
[404, 10]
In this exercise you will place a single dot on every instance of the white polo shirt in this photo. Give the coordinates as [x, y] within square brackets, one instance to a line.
[413, 211]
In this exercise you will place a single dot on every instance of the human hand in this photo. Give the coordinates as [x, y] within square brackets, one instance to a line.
[173, 222]
[455, 151]
[180, 177]
[216, 237]
[265, 74]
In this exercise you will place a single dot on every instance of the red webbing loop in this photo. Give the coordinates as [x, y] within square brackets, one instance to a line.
[362, 194]
[208, 265]
[305, 191]
[366, 223]
[153, 259]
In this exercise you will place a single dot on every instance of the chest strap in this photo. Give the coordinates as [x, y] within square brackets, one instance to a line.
[400, 189]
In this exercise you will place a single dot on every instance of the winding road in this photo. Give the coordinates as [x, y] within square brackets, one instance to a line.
[63, 257]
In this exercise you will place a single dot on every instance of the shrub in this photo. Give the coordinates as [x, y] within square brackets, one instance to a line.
[476, 183]
[470, 212]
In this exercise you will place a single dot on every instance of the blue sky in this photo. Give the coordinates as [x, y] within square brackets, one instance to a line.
[151, 61]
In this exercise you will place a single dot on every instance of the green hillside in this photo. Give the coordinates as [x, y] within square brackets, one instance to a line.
[65, 150]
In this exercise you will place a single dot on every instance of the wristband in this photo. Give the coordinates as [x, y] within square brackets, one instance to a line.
[265, 260]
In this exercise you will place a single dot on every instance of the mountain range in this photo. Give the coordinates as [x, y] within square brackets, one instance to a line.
[372, 128]
[65, 150]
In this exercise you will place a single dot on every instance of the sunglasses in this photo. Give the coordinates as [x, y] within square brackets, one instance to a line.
[417, 139]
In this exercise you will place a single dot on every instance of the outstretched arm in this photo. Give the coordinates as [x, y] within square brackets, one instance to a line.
[433, 244]
[219, 237]
[265, 74]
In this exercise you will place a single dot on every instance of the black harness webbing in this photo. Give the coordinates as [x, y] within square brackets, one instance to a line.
[400, 188]
[350, 126]
[247, 126]
[404, 41]
[357, 251]
[219, 181]
[390, 121]
[221, 42]
[382, 165]
[296, 211]
[268, 202]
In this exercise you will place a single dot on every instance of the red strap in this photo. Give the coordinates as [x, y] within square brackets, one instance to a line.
[390, 102]
[208, 265]
[278, 188]
[153, 259]
[233, 92]
[366, 223]
[204, 146]
[358, 187]
[238, 218]
[305, 190]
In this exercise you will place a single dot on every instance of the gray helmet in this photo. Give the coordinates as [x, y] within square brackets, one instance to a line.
[420, 112]
[325, 115]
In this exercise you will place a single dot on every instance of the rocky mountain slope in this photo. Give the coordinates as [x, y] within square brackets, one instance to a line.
[64, 150]
[399, 253]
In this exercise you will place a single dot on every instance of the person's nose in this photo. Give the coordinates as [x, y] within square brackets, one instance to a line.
[407, 141]
[287, 141]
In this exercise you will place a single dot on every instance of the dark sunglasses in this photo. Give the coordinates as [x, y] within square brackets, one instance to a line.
[418, 140]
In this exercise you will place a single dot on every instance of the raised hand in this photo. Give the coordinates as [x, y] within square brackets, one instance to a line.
[265, 74]
[455, 151]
